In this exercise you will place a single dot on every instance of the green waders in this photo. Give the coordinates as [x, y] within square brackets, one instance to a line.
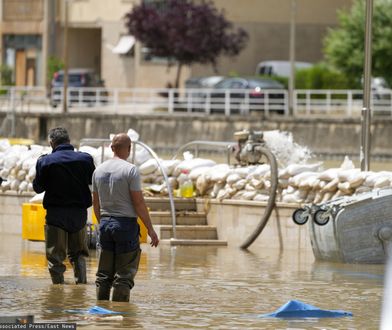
[59, 244]
[117, 271]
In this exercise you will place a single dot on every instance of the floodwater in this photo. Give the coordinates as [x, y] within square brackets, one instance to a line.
[196, 287]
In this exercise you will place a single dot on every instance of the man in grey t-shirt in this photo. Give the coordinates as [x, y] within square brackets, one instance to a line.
[117, 202]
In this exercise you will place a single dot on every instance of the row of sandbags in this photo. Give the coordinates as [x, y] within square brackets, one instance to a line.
[297, 183]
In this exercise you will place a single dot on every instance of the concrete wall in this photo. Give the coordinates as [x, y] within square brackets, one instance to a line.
[237, 220]
[167, 132]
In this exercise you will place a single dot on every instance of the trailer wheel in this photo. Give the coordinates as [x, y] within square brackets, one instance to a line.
[300, 216]
[322, 217]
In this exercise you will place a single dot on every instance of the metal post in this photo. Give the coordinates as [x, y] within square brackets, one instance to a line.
[366, 111]
[293, 10]
[65, 56]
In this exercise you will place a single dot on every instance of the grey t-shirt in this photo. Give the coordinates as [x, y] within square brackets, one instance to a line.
[113, 180]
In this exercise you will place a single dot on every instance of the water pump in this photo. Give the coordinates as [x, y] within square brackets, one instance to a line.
[249, 150]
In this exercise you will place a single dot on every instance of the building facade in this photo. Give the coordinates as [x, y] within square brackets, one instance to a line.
[32, 35]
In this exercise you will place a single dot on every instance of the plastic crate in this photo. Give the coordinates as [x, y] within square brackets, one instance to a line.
[33, 222]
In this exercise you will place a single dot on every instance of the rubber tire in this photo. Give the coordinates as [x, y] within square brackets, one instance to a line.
[298, 215]
[318, 220]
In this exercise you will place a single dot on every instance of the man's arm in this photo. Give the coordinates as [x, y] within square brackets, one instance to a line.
[38, 182]
[96, 206]
[142, 212]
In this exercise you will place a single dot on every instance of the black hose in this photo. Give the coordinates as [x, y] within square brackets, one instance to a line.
[271, 200]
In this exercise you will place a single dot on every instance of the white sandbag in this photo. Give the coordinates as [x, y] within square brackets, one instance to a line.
[148, 167]
[225, 193]
[240, 184]
[21, 175]
[382, 182]
[31, 174]
[4, 173]
[196, 172]
[170, 165]
[216, 188]
[141, 155]
[233, 178]
[133, 135]
[245, 171]
[238, 194]
[191, 164]
[30, 187]
[15, 184]
[295, 169]
[93, 152]
[329, 174]
[202, 185]
[249, 187]
[218, 173]
[10, 161]
[291, 198]
[308, 182]
[296, 180]
[329, 195]
[5, 185]
[372, 178]
[23, 186]
[38, 198]
[331, 186]
[347, 164]
[4, 144]
[345, 188]
[249, 195]
[29, 163]
[261, 198]
[258, 172]
[345, 175]
[258, 184]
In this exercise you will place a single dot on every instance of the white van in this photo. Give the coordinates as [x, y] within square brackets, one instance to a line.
[279, 68]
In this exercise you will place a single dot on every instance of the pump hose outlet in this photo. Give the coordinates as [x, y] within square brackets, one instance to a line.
[271, 200]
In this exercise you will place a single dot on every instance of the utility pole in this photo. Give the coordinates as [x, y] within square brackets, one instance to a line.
[367, 81]
[293, 11]
[65, 57]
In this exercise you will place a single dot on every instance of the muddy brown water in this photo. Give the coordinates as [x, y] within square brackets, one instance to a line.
[196, 287]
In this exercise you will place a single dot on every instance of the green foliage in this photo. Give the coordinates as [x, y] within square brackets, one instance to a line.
[320, 76]
[6, 75]
[344, 45]
[54, 64]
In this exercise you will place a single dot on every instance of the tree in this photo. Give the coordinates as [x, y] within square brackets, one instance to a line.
[185, 32]
[344, 45]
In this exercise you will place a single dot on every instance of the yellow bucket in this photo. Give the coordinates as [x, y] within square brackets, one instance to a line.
[33, 222]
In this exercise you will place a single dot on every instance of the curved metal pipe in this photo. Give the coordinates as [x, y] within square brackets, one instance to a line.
[271, 201]
[171, 199]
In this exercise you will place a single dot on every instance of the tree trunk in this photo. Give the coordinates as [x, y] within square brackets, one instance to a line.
[179, 67]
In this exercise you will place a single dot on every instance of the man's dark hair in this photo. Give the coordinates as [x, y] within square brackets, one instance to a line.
[58, 135]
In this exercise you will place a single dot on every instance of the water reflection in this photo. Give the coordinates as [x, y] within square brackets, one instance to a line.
[196, 287]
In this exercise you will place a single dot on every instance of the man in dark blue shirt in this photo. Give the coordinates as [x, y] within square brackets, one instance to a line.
[65, 176]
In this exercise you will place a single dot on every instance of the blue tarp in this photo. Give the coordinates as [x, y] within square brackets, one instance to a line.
[298, 309]
[96, 310]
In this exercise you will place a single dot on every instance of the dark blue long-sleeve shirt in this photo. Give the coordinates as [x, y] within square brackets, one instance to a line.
[65, 176]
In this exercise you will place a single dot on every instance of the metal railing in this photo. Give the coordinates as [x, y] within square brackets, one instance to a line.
[201, 101]
[103, 142]
[228, 146]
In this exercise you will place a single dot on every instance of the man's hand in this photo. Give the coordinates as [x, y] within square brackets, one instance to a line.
[154, 238]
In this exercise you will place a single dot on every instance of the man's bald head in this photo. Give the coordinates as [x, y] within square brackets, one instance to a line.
[121, 145]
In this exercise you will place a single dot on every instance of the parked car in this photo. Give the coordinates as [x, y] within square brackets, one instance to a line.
[202, 82]
[78, 78]
[248, 92]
